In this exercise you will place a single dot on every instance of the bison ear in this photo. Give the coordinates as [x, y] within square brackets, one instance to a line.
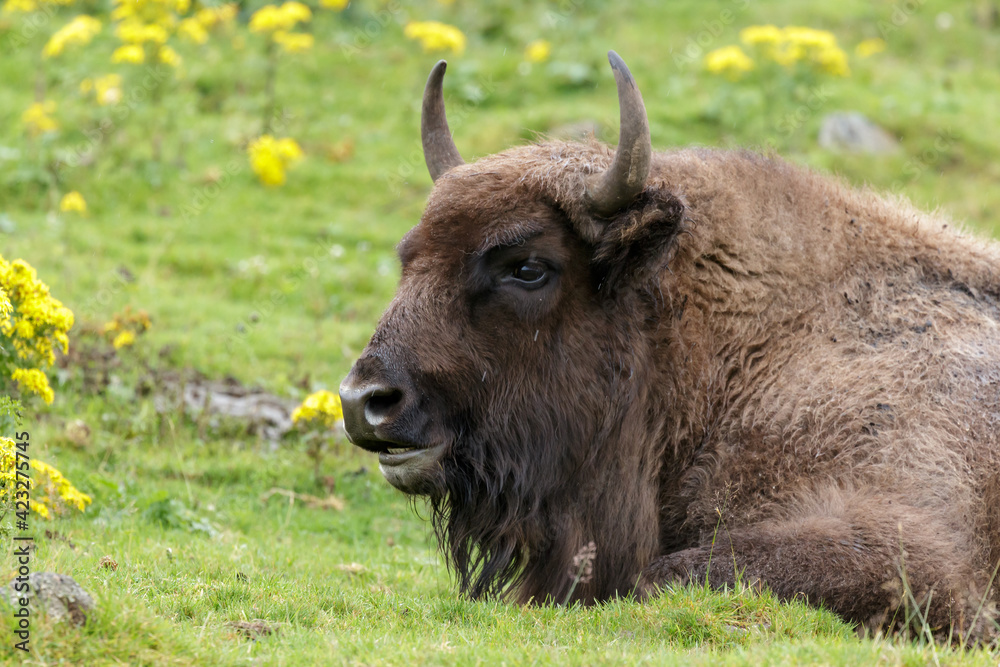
[636, 245]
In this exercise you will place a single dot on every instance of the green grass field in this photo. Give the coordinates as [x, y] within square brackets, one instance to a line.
[281, 287]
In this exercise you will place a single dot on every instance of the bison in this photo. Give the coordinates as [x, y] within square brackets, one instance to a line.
[712, 365]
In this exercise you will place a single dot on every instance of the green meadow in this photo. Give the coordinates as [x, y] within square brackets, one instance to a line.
[278, 287]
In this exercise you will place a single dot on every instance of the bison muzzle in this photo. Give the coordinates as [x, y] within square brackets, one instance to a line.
[712, 365]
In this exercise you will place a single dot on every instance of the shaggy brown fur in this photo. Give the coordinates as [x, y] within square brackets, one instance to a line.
[754, 371]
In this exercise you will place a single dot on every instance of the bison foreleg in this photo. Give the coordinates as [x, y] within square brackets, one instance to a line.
[872, 569]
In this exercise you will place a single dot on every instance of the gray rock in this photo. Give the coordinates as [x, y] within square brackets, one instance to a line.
[56, 595]
[853, 132]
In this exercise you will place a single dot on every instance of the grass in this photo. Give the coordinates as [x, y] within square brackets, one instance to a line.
[282, 287]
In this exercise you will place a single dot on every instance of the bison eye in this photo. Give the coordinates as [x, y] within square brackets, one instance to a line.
[531, 274]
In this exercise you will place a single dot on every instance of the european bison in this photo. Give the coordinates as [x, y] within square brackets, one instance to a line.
[710, 364]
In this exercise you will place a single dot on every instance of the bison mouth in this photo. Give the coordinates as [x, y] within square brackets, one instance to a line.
[410, 468]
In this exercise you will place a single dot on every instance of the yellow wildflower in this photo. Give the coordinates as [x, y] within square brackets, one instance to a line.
[168, 56]
[809, 37]
[436, 36]
[337, 5]
[761, 34]
[136, 32]
[124, 339]
[77, 32]
[36, 323]
[729, 60]
[538, 51]
[193, 30]
[6, 308]
[130, 53]
[270, 157]
[39, 508]
[271, 18]
[293, 42]
[322, 407]
[55, 491]
[35, 381]
[38, 119]
[787, 47]
[869, 47]
[24, 329]
[210, 17]
[832, 60]
[107, 89]
[296, 11]
[23, 6]
[73, 201]
[51, 492]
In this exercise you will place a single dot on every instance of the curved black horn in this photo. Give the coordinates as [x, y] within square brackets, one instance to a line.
[440, 153]
[615, 188]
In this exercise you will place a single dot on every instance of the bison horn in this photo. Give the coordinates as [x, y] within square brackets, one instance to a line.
[615, 188]
[440, 153]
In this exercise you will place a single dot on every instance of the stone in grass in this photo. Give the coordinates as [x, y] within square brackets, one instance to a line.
[254, 629]
[56, 595]
[853, 132]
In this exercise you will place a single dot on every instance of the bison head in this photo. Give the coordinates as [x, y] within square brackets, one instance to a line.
[512, 378]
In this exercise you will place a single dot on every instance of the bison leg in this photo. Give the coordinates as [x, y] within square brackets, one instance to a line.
[871, 567]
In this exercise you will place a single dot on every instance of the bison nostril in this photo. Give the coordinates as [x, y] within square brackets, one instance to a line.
[380, 403]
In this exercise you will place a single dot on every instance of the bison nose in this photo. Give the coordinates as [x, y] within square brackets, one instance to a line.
[372, 406]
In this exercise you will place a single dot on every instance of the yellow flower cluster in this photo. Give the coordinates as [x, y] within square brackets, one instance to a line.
[144, 26]
[77, 32]
[123, 339]
[28, 6]
[322, 407]
[293, 42]
[869, 47]
[436, 36]
[59, 493]
[336, 5]
[271, 18]
[52, 493]
[797, 44]
[37, 118]
[270, 157]
[195, 28]
[730, 61]
[125, 326]
[37, 323]
[133, 32]
[6, 307]
[278, 23]
[107, 89]
[35, 381]
[73, 202]
[538, 51]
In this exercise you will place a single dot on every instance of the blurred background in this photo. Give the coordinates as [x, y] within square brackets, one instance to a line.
[215, 192]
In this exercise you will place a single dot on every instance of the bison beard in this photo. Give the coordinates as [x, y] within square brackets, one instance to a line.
[710, 365]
